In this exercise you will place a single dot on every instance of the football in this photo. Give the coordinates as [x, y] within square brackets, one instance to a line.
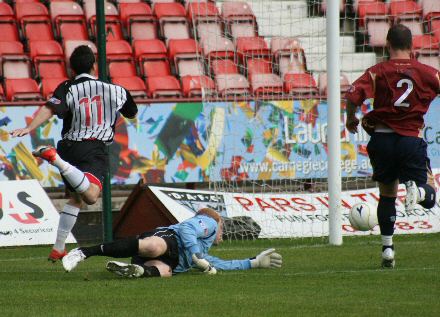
[363, 217]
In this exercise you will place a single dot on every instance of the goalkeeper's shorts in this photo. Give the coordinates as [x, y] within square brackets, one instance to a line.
[170, 257]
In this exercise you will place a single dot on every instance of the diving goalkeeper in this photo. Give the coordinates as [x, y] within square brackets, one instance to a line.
[169, 250]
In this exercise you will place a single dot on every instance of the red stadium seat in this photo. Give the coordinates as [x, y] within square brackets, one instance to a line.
[434, 25]
[258, 66]
[166, 86]
[377, 30]
[45, 49]
[266, 84]
[291, 64]
[223, 66]
[217, 48]
[251, 47]
[118, 49]
[6, 11]
[240, 19]
[155, 67]
[197, 86]
[371, 9]
[172, 20]
[185, 55]
[11, 48]
[322, 84]
[8, 30]
[22, 89]
[139, 20]
[69, 20]
[300, 84]
[135, 85]
[430, 6]
[48, 85]
[151, 49]
[205, 19]
[425, 42]
[16, 66]
[284, 45]
[121, 68]
[30, 9]
[50, 68]
[404, 8]
[232, 84]
[112, 22]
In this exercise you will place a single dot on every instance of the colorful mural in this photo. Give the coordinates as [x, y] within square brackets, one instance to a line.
[196, 142]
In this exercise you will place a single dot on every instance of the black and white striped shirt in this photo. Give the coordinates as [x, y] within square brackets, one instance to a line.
[89, 108]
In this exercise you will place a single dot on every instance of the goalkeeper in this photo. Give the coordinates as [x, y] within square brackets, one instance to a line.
[170, 250]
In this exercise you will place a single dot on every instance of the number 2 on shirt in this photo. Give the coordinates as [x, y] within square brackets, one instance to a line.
[86, 102]
[399, 102]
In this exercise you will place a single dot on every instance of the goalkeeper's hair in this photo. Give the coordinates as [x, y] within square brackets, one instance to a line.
[210, 213]
[399, 37]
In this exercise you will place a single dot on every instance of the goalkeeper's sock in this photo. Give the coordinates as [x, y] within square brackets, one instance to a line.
[150, 271]
[118, 249]
[427, 196]
[386, 214]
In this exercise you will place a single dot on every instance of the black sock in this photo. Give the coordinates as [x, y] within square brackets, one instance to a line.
[150, 271]
[117, 249]
[386, 214]
[429, 200]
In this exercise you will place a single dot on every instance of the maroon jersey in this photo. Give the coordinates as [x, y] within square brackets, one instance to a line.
[402, 90]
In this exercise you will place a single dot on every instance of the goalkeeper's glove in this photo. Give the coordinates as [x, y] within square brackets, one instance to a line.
[267, 259]
[203, 264]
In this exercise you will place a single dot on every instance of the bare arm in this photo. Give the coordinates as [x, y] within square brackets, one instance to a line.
[44, 114]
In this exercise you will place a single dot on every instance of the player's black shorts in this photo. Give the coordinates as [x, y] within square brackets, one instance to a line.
[89, 156]
[171, 256]
[394, 156]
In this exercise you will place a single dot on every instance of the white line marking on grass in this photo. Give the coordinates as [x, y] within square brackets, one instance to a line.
[21, 259]
[347, 271]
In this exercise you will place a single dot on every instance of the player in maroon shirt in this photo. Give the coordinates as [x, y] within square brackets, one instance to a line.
[402, 89]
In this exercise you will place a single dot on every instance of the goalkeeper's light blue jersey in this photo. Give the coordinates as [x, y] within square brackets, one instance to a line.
[196, 235]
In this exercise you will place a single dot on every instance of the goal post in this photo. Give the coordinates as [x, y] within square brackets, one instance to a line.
[334, 122]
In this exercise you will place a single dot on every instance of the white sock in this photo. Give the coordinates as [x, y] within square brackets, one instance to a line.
[387, 241]
[422, 194]
[61, 164]
[76, 178]
[67, 220]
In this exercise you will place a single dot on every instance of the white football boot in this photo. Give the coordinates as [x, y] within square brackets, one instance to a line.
[388, 261]
[412, 195]
[124, 269]
[71, 260]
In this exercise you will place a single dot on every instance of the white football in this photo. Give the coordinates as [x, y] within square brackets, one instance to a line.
[363, 217]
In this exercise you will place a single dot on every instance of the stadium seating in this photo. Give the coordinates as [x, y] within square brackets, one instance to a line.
[48, 85]
[184, 54]
[300, 84]
[172, 20]
[48, 59]
[322, 84]
[112, 22]
[205, 18]
[8, 27]
[197, 86]
[69, 20]
[223, 66]
[266, 84]
[135, 85]
[34, 20]
[214, 48]
[164, 86]
[138, 20]
[22, 89]
[232, 84]
[239, 19]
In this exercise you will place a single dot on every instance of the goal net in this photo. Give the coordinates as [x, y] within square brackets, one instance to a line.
[266, 123]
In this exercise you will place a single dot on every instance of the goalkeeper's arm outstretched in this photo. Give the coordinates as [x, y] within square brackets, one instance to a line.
[170, 250]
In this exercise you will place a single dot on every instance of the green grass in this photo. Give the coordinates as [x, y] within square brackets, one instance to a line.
[316, 280]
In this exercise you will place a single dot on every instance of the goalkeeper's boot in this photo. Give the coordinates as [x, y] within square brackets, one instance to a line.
[71, 260]
[124, 269]
[388, 261]
[412, 195]
[56, 255]
[45, 152]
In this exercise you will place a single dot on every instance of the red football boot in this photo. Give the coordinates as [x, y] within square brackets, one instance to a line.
[46, 152]
[56, 255]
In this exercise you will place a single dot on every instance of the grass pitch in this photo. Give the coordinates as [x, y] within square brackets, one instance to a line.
[316, 280]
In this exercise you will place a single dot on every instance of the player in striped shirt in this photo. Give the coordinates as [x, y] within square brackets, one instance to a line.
[89, 109]
[171, 250]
